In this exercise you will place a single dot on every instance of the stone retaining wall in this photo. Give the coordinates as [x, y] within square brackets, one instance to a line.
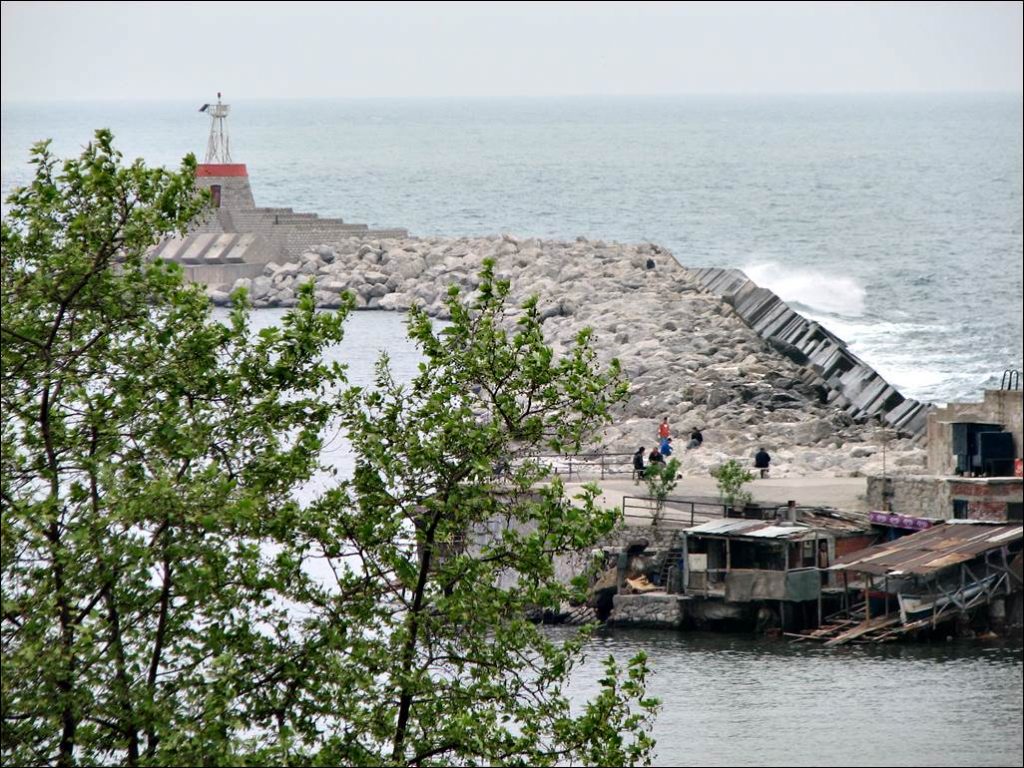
[651, 610]
[657, 538]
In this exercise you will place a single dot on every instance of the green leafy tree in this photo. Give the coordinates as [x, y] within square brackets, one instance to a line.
[455, 672]
[731, 477]
[147, 452]
[166, 600]
[661, 480]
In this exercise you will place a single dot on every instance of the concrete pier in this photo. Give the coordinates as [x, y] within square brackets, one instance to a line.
[237, 239]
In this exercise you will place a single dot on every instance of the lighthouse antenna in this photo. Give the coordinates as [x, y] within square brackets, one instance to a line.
[217, 148]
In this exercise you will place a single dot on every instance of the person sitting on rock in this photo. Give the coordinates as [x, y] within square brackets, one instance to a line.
[638, 465]
[761, 461]
[655, 457]
[696, 438]
[665, 449]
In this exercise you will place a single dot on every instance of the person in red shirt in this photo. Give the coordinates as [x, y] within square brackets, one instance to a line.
[663, 430]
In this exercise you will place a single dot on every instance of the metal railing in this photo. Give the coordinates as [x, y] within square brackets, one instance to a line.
[674, 513]
[597, 464]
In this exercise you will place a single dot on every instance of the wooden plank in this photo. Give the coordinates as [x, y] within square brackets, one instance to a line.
[865, 627]
[823, 632]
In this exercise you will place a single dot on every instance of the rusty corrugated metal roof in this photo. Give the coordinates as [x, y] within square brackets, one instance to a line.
[779, 531]
[931, 550]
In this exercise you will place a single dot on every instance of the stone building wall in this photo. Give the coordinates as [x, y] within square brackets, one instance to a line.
[1000, 406]
[914, 496]
[233, 180]
[983, 498]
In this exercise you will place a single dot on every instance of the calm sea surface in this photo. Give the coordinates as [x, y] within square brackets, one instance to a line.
[895, 220]
[732, 701]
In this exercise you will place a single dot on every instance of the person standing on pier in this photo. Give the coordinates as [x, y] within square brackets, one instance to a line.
[761, 461]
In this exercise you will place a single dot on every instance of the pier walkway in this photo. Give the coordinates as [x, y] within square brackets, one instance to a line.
[846, 494]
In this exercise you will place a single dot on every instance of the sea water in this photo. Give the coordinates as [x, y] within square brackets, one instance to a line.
[894, 220]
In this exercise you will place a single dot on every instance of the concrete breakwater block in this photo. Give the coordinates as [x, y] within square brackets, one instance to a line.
[868, 395]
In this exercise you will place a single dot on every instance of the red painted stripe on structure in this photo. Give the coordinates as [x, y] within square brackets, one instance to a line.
[221, 169]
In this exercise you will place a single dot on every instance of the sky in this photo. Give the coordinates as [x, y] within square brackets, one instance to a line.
[154, 51]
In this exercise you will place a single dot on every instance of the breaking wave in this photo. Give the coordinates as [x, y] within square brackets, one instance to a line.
[816, 291]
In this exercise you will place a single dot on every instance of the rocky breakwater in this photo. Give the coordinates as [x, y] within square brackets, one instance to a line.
[687, 353]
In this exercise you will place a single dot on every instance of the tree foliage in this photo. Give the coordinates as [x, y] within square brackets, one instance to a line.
[661, 479]
[731, 477]
[166, 597]
[146, 452]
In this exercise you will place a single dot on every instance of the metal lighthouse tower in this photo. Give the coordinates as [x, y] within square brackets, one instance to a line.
[218, 148]
[227, 181]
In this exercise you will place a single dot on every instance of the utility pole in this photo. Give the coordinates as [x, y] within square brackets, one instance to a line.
[885, 476]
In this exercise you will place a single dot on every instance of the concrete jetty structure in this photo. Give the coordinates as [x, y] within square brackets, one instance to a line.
[237, 239]
[855, 386]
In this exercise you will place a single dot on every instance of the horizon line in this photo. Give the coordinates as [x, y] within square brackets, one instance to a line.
[534, 97]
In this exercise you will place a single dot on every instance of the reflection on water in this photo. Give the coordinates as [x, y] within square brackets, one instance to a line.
[733, 700]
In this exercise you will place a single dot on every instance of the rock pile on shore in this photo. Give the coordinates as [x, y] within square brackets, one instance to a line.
[687, 355]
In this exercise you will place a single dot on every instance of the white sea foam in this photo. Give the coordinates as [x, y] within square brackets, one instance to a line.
[836, 294]
[918, 369]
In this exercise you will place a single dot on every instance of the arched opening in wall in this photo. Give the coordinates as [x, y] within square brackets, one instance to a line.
[215, 195]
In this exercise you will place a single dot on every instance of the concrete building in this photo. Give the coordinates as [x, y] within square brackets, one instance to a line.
[974, 463]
